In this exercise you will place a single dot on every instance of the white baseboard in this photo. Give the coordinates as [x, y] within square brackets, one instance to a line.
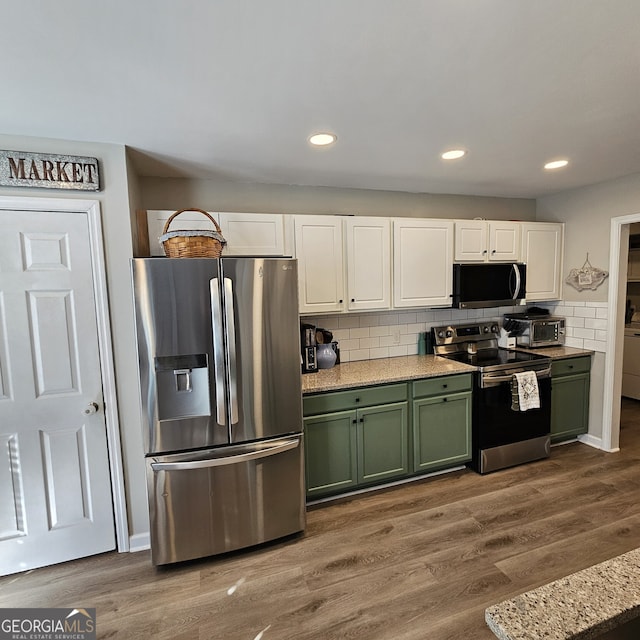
[139, 542]
[595, 442]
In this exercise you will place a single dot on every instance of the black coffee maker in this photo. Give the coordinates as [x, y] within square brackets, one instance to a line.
[308, 343]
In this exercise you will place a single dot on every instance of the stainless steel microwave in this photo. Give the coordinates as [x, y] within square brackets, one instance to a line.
[544, 331]
[488, 285]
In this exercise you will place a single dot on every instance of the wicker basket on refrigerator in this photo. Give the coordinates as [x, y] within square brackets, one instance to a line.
[192, 243]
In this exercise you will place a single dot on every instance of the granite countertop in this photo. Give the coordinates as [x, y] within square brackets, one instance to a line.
[363, 373]
[556, 353]
[582, 605]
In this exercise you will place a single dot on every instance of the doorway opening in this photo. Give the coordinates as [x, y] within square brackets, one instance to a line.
[617, 308]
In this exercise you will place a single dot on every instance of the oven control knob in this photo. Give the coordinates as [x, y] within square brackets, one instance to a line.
[486, 329]
[440, 334]
[494, 328]
[449, 333]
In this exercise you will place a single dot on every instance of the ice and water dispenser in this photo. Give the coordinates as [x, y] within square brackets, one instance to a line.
[182, 386]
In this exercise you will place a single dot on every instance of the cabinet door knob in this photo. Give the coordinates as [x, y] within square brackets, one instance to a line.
[485, 251]
[357, 399]
[362, 419]
[354, 421]
[444, 399]
[353, 299]
[493, 251]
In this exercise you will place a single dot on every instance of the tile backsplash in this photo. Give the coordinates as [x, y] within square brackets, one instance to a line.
[367, 336]
[587, 323]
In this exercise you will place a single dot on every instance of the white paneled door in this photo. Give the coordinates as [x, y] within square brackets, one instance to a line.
[55, 488]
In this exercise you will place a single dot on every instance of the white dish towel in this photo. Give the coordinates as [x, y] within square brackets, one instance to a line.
[528, 396]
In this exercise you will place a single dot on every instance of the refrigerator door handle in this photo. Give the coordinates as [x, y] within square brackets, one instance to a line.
[218, 351]
[230, 328]
[220, 462]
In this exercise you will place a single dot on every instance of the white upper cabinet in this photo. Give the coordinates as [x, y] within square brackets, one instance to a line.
[422, 262]
[481, 241]
[247, 234]
[542, 249]
[252, 234]
[344, 263]
[318, 248]
[368, 258]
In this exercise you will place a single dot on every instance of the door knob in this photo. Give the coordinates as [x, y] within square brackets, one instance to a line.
[91, 408]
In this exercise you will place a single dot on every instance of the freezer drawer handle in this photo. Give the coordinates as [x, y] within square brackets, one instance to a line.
[221, 462]
[218, 351]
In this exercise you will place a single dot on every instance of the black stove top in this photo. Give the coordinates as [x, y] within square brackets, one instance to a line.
[494, 358]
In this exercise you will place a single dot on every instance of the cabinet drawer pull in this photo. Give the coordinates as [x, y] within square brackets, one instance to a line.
[444, 399]
[357, 399]
[444, 386]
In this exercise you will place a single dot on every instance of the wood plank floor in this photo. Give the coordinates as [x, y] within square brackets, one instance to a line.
[419, 561]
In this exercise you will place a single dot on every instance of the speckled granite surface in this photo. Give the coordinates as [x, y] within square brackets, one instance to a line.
[580, 606]
[367, 372]
[559, 352]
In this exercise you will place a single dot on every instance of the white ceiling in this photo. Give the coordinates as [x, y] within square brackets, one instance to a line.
[231, 89]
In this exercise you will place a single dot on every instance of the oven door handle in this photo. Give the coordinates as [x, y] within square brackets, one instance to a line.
[487, 379]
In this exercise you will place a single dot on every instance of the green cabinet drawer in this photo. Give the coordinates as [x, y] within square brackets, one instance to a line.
[568, 366]
[442, 385]
[354, 398]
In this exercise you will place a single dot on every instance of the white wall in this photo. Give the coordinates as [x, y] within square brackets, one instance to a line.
[218, 195]
[587, 214]
[115, 206]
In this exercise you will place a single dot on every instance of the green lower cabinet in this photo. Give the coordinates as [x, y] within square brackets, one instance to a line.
[569, 406]
[331, 460]
[382, 439]
[371, 435]
[350, 448]
[441, 431]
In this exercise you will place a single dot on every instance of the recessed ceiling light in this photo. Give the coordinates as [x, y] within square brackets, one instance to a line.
[322, 139]
[556, 164]
[453, 154]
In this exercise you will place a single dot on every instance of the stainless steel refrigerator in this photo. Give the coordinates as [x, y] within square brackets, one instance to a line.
[220, 389]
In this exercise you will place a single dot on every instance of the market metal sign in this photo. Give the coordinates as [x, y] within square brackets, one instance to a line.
[24, 169]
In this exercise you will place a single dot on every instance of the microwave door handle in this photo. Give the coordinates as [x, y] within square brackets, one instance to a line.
[516, 272]
[218, 351]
